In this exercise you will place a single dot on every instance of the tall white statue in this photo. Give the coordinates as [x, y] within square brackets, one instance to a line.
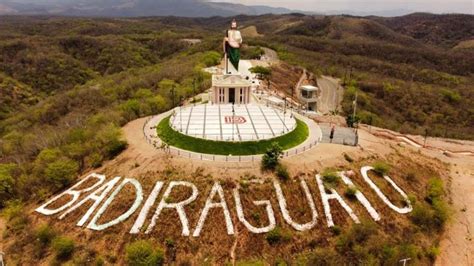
[232, 43]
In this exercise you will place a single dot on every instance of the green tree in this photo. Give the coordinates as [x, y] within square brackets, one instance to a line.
[263, 73]
[271, 158]
[61, 172]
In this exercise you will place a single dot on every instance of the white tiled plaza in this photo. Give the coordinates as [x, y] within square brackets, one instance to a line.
[218, 122]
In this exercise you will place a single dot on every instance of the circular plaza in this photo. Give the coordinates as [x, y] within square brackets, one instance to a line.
[236, 123]
[199, 131]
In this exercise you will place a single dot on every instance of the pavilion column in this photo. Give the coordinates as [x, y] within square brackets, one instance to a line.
[238, 96]
[250, 92]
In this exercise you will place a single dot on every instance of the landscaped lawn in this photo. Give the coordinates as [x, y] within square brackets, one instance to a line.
[179, 140]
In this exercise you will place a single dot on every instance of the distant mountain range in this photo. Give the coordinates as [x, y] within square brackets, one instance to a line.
[133, 8]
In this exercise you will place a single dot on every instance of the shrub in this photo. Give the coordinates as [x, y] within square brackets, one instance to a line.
[99, 261]
[63, 247]
[12, 210]
[335, 230]
[109, 139]
[271, 158]
[432, 253]
[45, 234]
[410, 176]
[323, 257]
[6, 183]
[351, 120]
[141, 253]
[351, 192]
[441, 213]
[422, 215]
[277, 235]
[250, 263]
[282, 172]
[435, 190]
[358, 234]
[348, 158]
[61, 172]
[211, 58]
[431, 216]
[330, 178]
[451, 96]
[381, 168]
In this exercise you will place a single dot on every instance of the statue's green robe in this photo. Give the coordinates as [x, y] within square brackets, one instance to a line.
[234, 56]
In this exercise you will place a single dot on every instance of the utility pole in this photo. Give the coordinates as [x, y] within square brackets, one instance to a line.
[173, 95]
[355, 109]
[284, 117]
[194, 91]
[426, 136]
[233, 121]
[181, 114]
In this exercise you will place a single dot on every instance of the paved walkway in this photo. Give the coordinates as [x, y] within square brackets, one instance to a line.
[149, 131]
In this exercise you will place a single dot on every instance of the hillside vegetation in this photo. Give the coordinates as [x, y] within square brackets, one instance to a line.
[65, 82]
[68, 85]
[412, 85]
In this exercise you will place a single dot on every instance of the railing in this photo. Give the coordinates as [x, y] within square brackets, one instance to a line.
[154, 140]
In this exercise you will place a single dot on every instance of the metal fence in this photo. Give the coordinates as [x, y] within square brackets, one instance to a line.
[152, 138]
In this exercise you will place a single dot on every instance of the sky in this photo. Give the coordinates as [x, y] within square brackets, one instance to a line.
[433, 6]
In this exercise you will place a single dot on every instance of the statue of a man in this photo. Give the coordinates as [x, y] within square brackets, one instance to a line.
[232, 43]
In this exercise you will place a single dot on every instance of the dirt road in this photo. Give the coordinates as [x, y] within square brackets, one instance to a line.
[457, 246]
[331, 94]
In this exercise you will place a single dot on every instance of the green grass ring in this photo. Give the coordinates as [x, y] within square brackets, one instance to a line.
[176, 139]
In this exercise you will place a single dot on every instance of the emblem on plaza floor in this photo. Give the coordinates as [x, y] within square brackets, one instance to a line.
[235, 120]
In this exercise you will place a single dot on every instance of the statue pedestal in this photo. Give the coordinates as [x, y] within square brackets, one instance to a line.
[230, 88]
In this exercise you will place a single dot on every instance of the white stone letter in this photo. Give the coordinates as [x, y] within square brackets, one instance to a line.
[146, 208]
[138, 199]
[209, 204]
[97, 196]
[284, 208]
[361, 198]
[179, 206]
[404, 210]
[251, 228]
[74, 193]
[325, 197]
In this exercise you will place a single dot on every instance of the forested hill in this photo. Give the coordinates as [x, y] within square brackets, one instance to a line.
[409, 80]
[67, 85]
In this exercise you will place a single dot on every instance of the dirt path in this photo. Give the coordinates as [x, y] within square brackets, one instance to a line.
[270, 55]
[331, 94]
[457, 246]
[300, 82]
